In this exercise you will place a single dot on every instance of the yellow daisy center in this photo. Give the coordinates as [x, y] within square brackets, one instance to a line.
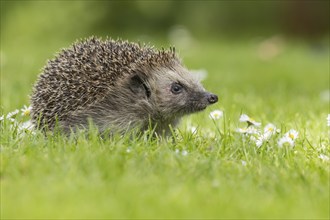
[26, 112]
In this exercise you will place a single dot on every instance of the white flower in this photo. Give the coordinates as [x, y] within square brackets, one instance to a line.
[128, 150]
[177, 151]
[285, 140]
[216, 114]
[248, 130]
[250, 121]
[244, 118]
[288, 138]
[2, 117]
[293, 134]
[254, 135]
[252, 130]
[11, 114]
[260, 141]
[12, 120]
[26, 110]
[328, 118]
[324, 157]
[243, 163]
[26, 125]
[269, 130]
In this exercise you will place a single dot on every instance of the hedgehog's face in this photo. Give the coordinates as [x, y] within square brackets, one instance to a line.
[176, 93]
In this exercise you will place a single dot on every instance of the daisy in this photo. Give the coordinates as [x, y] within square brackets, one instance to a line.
[248, 130]
[259, 141]
[244, 118]
[269, 130]
[216, 114]
[250, 121]
[26, 110]
[293, 134]
[285, 140]
[11, 114]
[27, 125]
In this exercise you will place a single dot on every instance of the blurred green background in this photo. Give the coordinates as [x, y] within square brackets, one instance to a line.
[218, 36]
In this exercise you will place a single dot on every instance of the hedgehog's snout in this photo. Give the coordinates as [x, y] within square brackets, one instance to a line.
[199, 101]
[212, 98]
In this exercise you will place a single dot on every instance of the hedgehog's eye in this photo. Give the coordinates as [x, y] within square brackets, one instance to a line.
[176, 88]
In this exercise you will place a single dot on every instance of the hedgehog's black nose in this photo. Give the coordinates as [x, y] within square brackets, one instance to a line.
[212, 98]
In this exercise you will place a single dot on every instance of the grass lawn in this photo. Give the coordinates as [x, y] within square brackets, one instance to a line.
[213, 172]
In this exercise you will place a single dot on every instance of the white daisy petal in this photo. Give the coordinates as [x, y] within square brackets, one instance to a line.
[257, 124]
[269, 130]
[244, 118]
[27, 125]
[293, 134]
[241, 130]
[250, 121]
[259, 141]
[11, 114]
[248, 130]
[216, 114]
[285, 140]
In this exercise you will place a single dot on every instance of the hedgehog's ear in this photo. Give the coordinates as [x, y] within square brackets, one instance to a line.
[138, 86]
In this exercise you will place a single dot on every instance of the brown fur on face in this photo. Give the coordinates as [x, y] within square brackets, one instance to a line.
[118, 85]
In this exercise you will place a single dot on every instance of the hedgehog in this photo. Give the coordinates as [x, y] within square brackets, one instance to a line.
[118, 86]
